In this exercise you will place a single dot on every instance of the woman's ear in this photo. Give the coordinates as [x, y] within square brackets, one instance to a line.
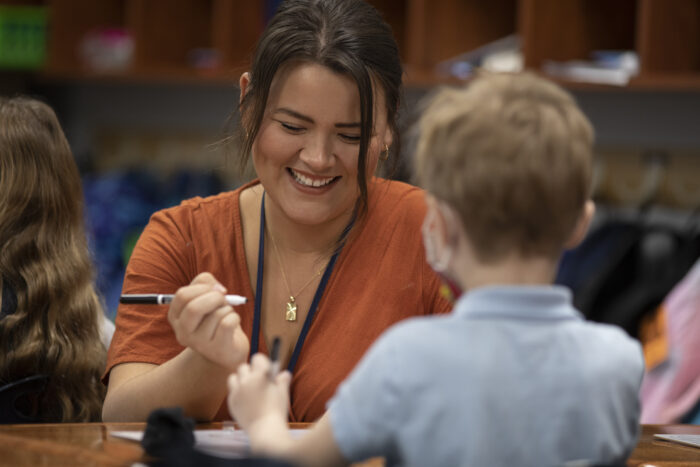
[388, 137]
[243, 82]
[584, 221]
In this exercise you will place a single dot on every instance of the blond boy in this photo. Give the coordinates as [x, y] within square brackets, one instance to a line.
[514, 375]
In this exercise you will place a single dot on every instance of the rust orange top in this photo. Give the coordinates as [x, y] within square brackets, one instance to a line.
[380, 278]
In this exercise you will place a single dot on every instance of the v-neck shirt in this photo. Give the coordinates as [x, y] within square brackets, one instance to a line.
[380, 278]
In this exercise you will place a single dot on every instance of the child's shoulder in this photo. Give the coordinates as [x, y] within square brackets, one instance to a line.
[410, 334]
[608, 335]
[609, 349]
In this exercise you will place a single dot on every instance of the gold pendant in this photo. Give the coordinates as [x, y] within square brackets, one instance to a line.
[291, 314]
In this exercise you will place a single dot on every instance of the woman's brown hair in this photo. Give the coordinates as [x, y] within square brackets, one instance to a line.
[45, 261]
[346, 36]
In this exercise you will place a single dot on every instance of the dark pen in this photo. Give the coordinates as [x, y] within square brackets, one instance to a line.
[275, 358]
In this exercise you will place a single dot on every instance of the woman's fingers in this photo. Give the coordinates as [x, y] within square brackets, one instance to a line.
[223, 334]
[183, 296]
[192, 303]
[225, 344]
[200, 307]
[210, 323]
[207, 278]
[198, 287]
[203, 321]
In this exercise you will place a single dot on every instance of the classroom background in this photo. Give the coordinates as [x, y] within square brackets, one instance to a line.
[146, 90]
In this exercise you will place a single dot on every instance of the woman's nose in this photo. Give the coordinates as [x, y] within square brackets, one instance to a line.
[317, 154]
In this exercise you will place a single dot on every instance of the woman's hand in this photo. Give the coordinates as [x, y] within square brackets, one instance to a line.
[204, 322]
[255, 400]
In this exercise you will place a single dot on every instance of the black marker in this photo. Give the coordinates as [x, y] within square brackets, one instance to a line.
[275, 358]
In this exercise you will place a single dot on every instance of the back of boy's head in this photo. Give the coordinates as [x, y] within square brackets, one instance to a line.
[512, 155]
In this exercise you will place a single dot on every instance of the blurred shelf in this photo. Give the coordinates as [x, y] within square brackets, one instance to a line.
[665, 35]
[165, 75]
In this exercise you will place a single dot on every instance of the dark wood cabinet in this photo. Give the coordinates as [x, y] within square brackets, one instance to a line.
[166, 33]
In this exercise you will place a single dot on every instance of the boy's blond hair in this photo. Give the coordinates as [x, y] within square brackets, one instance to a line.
[512, 154]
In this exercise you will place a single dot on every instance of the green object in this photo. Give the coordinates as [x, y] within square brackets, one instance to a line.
[129, 243]
[22, 36]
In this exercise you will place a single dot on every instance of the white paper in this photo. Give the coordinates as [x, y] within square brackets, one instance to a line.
[688, 440]
[223, 443]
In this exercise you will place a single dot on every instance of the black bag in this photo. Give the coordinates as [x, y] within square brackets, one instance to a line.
[169, 437]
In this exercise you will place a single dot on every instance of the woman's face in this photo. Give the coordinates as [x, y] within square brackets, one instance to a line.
[307, 148]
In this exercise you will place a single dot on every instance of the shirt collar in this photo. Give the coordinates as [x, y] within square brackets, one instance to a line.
[520, 302]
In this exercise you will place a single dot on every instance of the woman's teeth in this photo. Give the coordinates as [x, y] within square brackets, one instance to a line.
[306, 181]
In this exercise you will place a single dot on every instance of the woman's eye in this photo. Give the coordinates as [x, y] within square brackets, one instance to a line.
[292, 128]
[350, 138]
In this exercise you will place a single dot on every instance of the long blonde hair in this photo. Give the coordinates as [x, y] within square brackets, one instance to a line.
[44, 259]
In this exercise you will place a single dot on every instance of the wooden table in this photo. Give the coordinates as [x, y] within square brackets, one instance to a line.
[90, 444]
[655, 452]
[77, 444]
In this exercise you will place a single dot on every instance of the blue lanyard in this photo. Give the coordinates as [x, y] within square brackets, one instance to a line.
[314, 303]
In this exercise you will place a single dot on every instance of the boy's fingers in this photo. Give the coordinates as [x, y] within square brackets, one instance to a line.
[284, 379]
[232, 382]
[243, 371]
[260, 363]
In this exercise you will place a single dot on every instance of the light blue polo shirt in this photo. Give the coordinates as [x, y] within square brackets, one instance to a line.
[513, 376]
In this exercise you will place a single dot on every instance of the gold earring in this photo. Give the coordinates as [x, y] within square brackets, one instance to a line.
[384, 155]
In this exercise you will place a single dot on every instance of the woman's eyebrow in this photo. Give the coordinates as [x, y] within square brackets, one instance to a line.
[295, 114]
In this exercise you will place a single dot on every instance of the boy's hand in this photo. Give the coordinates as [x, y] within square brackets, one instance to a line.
[256, 401]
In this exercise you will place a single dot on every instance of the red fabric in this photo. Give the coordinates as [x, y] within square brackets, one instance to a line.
[380, 277]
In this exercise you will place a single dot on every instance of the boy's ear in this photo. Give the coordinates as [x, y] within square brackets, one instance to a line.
[433, 212]
[243, 82]
[584, 221]
[446, 218]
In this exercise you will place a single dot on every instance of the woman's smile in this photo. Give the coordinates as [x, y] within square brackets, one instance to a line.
[312, 181]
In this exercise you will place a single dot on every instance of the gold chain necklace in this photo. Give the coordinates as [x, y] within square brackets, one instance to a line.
[291, 312]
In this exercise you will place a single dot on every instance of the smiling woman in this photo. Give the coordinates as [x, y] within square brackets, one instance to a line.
[329, 255]
[307, 149]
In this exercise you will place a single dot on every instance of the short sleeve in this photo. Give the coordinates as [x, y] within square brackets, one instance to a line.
[162, 261]
[365, 411]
